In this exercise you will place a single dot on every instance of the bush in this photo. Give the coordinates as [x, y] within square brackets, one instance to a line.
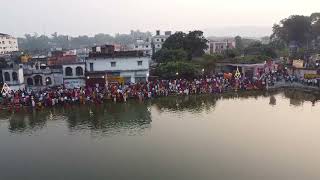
[166, 55]
[184, 69]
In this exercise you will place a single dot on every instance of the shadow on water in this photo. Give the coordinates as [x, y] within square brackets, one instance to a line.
[132, 117]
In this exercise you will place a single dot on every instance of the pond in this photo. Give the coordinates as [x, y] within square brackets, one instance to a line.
[234, 136]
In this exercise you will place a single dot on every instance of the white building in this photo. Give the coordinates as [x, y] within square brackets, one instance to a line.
[8, 44]
[143, 45]
[133, 66]
[74, 75]
[159, 39]
[41, 76]
[13, 77]
[219, 46]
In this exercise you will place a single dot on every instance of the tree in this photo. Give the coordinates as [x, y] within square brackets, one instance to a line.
[239, 43]
[35, 43]
[293, 29]
[176, 69]
[165, 55]
[315, 23]
[193, 43]
[208, 62]
[258, 48]
[175, 41]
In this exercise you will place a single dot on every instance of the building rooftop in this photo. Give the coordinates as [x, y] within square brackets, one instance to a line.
[6, 35]
[1, 34]
[116, 54]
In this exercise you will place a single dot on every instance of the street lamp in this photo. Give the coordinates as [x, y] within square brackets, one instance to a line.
[177, 73]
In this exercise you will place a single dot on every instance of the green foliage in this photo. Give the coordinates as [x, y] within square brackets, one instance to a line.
[214, 57]
[231, 53]
[193, 43]
[175, 41]
[250, 59]
[166, 55]
[184, 69]
[43, 43]
[208, 62]
[298, 29]
[260, 49]
[239, 43]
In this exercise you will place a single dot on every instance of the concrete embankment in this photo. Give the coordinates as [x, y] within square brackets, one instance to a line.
[296, 86]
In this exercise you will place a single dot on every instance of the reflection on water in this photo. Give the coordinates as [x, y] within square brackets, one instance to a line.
[105, 118]
[243, 136]
[133, 116]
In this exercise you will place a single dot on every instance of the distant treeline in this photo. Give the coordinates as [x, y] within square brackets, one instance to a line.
[42, 43]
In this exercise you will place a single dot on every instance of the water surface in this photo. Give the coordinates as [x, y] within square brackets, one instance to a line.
[238, 136]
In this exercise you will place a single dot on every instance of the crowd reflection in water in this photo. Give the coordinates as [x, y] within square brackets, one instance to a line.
[133, 116]
[107, 118]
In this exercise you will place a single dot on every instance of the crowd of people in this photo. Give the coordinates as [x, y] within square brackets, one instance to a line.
[116, 92]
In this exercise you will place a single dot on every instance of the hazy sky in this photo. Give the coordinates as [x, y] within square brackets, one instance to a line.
[215, 17]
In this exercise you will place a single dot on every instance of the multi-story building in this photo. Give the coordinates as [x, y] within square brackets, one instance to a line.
[40, 76]
[104, 63]
[74, 75]
[8, 44]
[144, 46]
[219, 46]
[13, 77]
[60, 58]
[159, 39]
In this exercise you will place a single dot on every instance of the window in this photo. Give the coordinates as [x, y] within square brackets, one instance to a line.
[38, 80]
[48, 81]
[113, 64]
[30, 82]
[162, 40]
[69, 71]
[91, 66]
[79, 71]
[14, 76]
[136, 46]
[147, 46]
[158, 39]
[139, 63]
[6, 76]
